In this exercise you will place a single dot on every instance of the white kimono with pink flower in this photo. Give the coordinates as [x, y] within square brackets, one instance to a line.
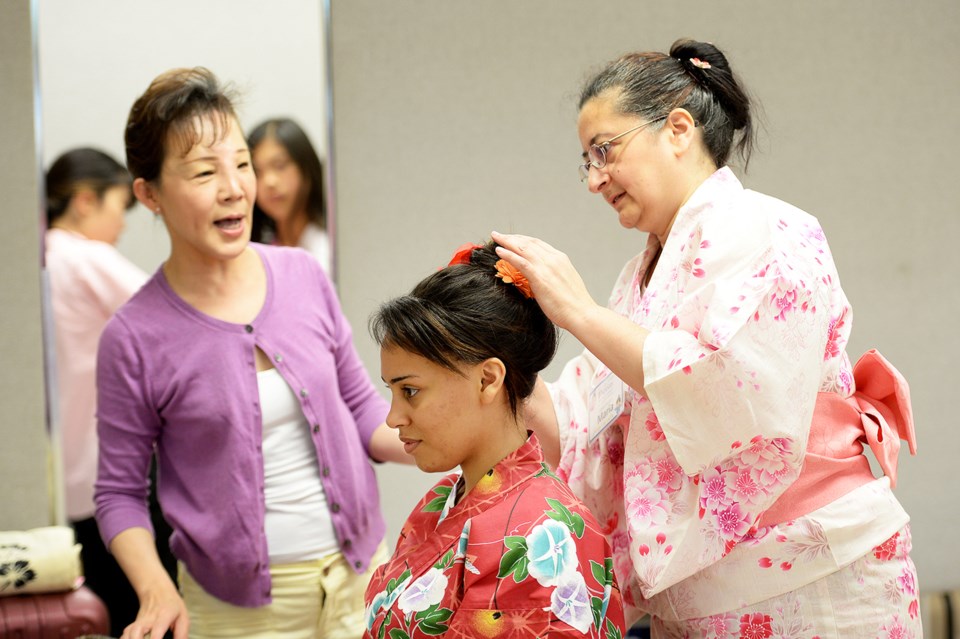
[748, 324]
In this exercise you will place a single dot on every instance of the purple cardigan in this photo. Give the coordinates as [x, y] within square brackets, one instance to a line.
[170, 376]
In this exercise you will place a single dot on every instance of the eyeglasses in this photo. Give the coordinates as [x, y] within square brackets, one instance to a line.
[597, 153]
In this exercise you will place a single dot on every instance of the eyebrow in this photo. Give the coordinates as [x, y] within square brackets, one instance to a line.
[214, 158]
[397, 379]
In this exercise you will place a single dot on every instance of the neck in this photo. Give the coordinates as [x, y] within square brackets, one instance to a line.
[290, 229]
[209, 278]
[700, 173]
[67, 222]
[513, 436]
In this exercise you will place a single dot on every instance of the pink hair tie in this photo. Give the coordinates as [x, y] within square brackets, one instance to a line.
[700, 64]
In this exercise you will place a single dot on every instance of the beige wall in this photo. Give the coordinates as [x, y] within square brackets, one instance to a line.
[23, 441]
[455, 117]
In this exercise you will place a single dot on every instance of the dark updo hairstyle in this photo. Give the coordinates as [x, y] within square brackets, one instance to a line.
[695, 76]
[168, 112]
[464, 314]
[291, 137]
[82, 168]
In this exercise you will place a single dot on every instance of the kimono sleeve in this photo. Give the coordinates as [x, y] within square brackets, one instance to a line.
[570, 395]
[127, 427]
[740, 360]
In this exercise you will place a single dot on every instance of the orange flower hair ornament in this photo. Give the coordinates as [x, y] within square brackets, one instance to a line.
[510, 275]
[462, 254]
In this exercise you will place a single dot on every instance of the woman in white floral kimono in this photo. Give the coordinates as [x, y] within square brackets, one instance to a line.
[714, 425]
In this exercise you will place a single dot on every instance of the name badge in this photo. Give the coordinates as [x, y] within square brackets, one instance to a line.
[605, 402]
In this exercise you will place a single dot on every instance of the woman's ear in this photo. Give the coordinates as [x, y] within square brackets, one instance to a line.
[682, 128]
[146, 194]
[84, 202]
[492, 376]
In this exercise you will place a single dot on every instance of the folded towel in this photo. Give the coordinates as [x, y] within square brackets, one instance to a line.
[39, 560]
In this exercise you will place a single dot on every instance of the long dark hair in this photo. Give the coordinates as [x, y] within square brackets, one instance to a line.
[464, 314]
[291, 137]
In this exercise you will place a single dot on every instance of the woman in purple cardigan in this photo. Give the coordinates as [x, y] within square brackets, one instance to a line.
[235, 363]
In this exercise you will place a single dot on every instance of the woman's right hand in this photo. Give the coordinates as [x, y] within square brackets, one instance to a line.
[161, 606]
[161, 609]
[615, 340]
[556, 284]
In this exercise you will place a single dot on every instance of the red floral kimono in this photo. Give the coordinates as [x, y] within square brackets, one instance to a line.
[519, 556]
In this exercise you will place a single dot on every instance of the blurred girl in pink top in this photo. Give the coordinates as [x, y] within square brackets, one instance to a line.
[88, 195]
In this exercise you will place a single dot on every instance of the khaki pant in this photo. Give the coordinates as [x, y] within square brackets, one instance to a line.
[311, 599]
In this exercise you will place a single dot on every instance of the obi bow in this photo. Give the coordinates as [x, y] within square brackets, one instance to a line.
[883, 401]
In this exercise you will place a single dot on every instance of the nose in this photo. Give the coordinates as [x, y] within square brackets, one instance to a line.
[395, 416]
[597, 179]
[232, 186]
[268, 179]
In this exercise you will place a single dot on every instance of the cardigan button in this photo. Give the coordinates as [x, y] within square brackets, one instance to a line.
[316, 429]
[326, 471]
[303, 392]
[358, 565]
[347, 544]
[334, 507]
[278, 357]
[248, 328]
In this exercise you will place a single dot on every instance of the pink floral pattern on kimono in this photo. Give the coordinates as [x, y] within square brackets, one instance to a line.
[748, 323]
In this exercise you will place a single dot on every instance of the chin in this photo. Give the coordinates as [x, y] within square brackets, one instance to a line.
[432, 466]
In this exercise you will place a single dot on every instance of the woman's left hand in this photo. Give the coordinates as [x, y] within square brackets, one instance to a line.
[555, 283]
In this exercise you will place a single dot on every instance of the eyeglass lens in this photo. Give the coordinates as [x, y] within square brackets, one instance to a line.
[596, 157]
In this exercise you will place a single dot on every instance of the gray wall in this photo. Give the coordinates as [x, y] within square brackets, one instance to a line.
[452, 118]
[24, 460]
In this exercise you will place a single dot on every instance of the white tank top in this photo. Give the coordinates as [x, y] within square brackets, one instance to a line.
[298, 524]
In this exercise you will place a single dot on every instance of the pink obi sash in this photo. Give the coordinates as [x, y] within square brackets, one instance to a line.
[878, 412]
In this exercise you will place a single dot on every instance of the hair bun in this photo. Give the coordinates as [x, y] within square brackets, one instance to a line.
[708, 65]
[687, 50]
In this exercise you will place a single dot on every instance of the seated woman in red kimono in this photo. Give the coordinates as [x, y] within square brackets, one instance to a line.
[501, 548]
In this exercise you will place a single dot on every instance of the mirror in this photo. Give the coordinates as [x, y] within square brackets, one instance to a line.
[95, 59]
[94, 62]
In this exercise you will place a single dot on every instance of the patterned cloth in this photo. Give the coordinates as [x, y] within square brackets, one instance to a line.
[518, 556]
[749, 323]
[875, 597]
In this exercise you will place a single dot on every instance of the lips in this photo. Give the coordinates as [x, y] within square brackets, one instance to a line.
[409, 444]
[230, 223]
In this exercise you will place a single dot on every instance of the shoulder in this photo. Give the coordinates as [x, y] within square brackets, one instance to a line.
[291, 264]
[314, 238]
[64, 246]
[542, 498]
[748, 224]
[148, 309]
